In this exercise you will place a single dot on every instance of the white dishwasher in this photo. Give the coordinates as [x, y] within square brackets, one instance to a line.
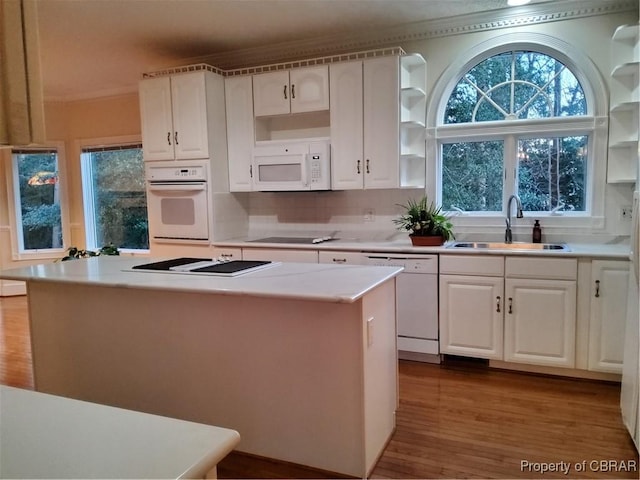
[416, 304]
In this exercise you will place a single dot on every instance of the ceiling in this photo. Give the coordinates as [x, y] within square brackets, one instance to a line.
[92, 48]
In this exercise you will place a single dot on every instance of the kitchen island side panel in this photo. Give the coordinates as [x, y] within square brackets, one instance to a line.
[287, 374]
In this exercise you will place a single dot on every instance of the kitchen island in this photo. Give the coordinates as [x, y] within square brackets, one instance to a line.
[300, 359]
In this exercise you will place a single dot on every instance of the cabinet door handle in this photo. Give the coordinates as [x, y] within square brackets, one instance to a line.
[597, 288]
[250, 171]
[358, 167]
[285, 92]
[368, 166]
[510, 305]
[293, 90]
[168, 138]
[175, 138]
[339, 260]
[498, 304]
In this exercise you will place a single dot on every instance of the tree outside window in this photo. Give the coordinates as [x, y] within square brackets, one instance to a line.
[115, 197]
[519, 90]
[37, 199]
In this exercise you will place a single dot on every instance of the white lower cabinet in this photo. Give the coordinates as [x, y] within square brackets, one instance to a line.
[471, 315]
[471, 306]
[342, 258]
[518, 309]
[608, 312]
[280, 255]
[540, 322]
[227, 253]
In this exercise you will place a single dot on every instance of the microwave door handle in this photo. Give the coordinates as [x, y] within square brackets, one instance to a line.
[305, 169]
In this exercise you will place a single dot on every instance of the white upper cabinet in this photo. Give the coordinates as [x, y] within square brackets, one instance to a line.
[176, 113]
[378, 109]
[365, 116]
[347, 126]
[381, 122]
[157, 118]
[240, 131]
[295, 91]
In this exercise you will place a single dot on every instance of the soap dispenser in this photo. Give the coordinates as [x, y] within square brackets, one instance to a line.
[537, 232]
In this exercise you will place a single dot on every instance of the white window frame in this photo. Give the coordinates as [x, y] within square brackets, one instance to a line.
[594, 124]
[87, 191]
[13, 190]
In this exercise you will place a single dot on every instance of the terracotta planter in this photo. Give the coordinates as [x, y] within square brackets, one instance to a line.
[426, 240]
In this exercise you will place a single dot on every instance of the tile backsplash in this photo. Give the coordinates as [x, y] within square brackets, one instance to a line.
[365, 211]
[368, 215]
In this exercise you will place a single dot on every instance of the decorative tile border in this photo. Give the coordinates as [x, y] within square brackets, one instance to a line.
[278, 66]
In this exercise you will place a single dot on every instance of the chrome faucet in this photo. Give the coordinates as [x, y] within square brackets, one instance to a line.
[508, 237]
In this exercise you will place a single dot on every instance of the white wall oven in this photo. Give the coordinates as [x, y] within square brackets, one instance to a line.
[178, 201]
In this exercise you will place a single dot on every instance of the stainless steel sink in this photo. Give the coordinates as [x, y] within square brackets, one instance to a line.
[559, 247]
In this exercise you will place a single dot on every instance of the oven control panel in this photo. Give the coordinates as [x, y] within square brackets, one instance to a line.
[188, 172]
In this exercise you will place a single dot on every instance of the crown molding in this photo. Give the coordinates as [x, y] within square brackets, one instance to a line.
[534, 14]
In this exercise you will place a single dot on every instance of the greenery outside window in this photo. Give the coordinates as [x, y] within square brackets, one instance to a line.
[516, 122]
[37, 201]
[115, 201]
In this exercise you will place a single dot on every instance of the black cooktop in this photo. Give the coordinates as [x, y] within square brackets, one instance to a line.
[230, 268]
[301, 240]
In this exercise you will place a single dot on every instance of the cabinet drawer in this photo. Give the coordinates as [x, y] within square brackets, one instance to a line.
[547, 268]
[486, 265]
[347, 258]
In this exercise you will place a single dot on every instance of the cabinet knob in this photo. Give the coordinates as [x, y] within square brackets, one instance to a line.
[285, 92]
[169, 138]
[597, 288]
[358, 167]
[368, 166]
[498, 303]
[510, 305]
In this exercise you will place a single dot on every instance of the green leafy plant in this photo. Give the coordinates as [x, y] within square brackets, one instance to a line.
[423, 218]
[74, 253]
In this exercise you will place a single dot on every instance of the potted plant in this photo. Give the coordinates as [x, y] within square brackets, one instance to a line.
[75, 253]
[426, 222]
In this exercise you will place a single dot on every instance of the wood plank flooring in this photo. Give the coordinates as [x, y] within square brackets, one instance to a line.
[452, 422]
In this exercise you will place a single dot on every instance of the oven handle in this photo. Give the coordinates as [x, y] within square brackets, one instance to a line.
[177, 187]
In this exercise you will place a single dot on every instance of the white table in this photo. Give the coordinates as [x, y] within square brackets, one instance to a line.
[46, 436]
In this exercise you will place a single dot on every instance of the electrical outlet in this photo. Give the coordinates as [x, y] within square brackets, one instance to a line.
[369, 214]
[626, 212]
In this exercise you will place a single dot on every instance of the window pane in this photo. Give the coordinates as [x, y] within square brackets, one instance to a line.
[472, 176]
[552, 172]
[514, 86]
[119, 198]
[38, 199]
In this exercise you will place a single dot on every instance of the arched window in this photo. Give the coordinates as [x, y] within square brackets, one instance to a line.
[521, 120]
[515, 85]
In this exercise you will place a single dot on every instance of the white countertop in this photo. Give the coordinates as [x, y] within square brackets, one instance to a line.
[403, 245]
[306, 281]
[46, 436]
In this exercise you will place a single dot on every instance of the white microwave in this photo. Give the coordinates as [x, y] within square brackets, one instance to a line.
[292, 166]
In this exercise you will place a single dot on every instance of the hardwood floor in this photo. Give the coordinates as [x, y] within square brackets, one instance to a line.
[452, 422]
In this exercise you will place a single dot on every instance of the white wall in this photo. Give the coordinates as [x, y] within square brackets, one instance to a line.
[329, 211]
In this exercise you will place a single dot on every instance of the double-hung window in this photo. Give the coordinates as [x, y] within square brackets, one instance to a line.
[115, 202]
[517, 122]
[39, 219]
